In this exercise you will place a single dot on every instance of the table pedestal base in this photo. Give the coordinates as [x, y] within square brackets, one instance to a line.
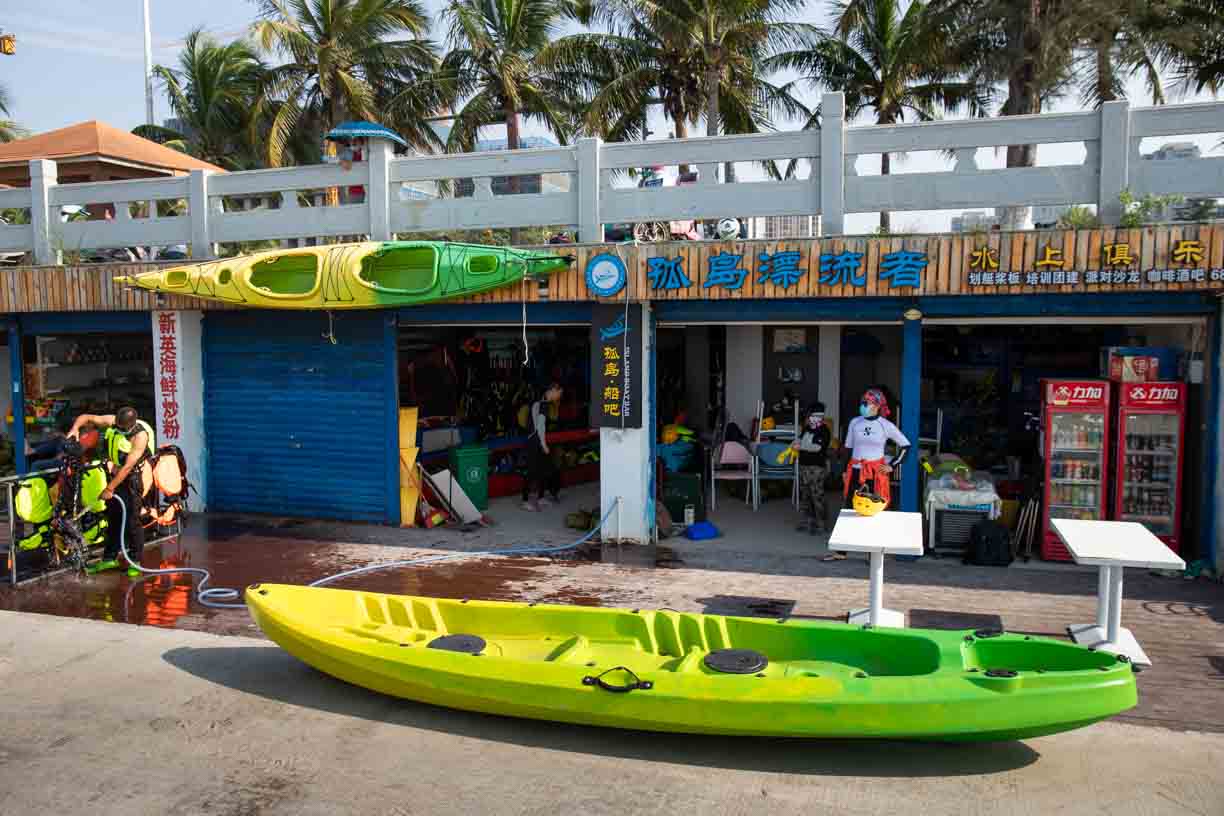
[890, 618]
[1093, 636]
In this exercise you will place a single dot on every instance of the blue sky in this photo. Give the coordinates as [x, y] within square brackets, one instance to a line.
[76, 62]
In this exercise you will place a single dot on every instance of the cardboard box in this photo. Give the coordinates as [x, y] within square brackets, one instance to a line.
[1134, 369]
[1139, 363]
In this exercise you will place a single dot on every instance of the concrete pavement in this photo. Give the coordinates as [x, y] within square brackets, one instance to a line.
[104, 718]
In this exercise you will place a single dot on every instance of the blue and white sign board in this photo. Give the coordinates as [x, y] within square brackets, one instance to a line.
[606, 275]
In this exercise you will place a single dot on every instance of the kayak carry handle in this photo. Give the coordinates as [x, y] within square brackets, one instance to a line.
[597, 680]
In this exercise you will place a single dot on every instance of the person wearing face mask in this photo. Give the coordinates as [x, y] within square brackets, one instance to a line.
[865, 440]
[813, 447]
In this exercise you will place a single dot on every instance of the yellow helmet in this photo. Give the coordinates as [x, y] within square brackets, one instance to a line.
[866, 502]
[768, 424]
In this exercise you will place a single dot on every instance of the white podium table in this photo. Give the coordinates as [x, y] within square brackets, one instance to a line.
[888, 532]
[1111, 546]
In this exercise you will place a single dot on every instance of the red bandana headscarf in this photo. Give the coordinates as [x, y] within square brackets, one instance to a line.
[876, 397]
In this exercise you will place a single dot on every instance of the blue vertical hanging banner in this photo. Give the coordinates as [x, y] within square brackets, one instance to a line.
[616, 371]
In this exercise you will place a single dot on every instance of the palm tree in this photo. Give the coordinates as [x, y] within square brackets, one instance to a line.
[9, 130]
[1195, 34]
[1027, 45]
[1121, 38]
[888, 58]
[494, 71]
[212, 93]
[365, 59]
[686, 55]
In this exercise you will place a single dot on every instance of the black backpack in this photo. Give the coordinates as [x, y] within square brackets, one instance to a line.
[989, 545]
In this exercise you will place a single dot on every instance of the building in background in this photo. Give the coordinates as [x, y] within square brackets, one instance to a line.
[777, 227]
[1188, 209]
[976, 220]
[536, 183]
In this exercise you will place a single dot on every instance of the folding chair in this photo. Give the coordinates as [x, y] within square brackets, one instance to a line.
[732, 462]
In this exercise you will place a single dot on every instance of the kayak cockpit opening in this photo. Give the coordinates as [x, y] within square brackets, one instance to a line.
[285, 275]
[483, 264]
[225, 276]
[175, 278]
[404, 270]
[1018, 653]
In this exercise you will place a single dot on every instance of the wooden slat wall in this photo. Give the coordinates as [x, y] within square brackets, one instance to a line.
[949, 257]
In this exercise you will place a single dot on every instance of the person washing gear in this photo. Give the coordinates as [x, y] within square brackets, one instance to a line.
[126, 441]
[813, 447]
[866, 437]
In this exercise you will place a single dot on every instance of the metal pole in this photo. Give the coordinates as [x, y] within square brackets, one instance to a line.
[876, 602]
[1102, 618]
[1115, 604]
[148, 65]
[12, 525]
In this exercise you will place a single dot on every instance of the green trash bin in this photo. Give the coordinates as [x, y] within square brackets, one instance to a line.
[470, 466]
[681, 490]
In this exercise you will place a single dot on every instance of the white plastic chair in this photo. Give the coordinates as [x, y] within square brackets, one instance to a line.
[732, 462]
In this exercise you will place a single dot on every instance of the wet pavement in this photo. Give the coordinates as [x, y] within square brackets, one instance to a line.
[240, 551]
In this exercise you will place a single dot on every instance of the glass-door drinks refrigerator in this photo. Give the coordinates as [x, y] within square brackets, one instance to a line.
[1075, 436]
[1150, 424]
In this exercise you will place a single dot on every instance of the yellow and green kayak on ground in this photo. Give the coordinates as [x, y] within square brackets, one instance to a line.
[366, 275]
[692, 673]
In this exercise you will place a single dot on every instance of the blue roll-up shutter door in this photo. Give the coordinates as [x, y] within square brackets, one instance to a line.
[297, 425]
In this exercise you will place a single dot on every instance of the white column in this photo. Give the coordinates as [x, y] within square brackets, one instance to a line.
[1114, 155]
[829, 377]
[42, 179]
[379, 198]
[178, 388]
[624, 457]
[744, 375]
[832, 164]
[198, 210]
[590, 230]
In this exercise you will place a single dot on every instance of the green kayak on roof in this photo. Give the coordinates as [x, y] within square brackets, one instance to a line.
[366, 275]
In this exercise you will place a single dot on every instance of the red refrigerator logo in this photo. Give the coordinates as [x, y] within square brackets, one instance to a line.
[1153, 394]
[1064, 394]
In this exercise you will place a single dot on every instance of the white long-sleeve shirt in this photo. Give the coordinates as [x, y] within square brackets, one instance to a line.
[865, 438]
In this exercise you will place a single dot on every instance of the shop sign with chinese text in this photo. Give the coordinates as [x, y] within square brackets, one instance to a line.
[167, 347]
[616, 371]
[1164, 258]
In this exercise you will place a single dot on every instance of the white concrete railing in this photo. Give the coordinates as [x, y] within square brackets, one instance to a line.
[266, 204]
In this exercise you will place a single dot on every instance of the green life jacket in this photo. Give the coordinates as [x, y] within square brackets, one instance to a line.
[118, 444]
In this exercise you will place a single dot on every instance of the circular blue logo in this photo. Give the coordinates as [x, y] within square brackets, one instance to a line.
[606, 274]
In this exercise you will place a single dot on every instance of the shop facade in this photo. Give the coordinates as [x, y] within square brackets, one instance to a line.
[298, 411]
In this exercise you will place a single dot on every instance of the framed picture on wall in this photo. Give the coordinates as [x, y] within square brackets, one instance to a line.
[790, 341]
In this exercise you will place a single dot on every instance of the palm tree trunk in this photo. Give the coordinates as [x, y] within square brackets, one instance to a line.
[681, 133]
[512, 182]
[711, 83]
[885, 216]
[1105, 67]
